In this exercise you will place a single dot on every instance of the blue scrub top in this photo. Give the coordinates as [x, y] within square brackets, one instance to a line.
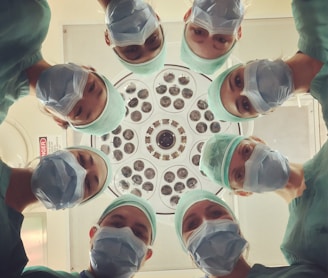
[12, 254]
[45, 272]
[293, 271]
[306, 236]
[311, 22]
[23, 28]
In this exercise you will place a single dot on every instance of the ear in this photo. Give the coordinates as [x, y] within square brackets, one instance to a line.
[239, 33]
[149, 254]
[107, 40]
[60, 122]
[257, 139]
[92, 231]
[243, 193]
[187, 15]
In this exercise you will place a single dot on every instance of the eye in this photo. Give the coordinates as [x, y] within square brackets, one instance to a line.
[152, 38]
[192, 225]
[247, 151]
[199, 32]
[245, 104]
[214, 214]
[220, 39]
[81, 160]
[238, 81]
[139, 234]
[92, 87]
[78, 112]
[239, 175]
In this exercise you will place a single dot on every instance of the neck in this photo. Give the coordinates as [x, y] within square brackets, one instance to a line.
[240, 270]
[19, 194]
[33, 73]
[304, 69]
[295, 185]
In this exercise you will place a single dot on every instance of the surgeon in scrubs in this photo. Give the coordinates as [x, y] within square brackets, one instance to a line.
[61, 180]
[246, 165]
[120, 242]
[73, 95]
[209, 231]
[136, 35]
[246, 91]
[212, 29]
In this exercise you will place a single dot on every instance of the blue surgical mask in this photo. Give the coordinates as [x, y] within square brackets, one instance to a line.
[58, 180]
[60, 87]
[216, 246]
[218, 17]
[130, 22]
[268, 84]
[266, 170]
[116, 252]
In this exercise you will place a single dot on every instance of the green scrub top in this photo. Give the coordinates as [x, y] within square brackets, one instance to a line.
[311, 22]
[45, 272]
[292, 271]
[23, 28]
[306, 236]
[12, 254]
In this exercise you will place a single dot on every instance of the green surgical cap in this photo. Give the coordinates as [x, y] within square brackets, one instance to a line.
[148, 67]
[201, 65]
[187, 200]
[110, 117]
[214, 98]
[216, 157]
[108, 165]
[140, 203]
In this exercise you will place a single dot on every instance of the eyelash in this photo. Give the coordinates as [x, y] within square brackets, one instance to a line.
[238, 81]
[92, 87]
[78, 112]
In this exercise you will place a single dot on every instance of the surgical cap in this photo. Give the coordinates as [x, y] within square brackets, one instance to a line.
[187, 200]
[216, 157]
[108, 165]
[202, 65]
[110, 117]
[214, 98]
[133, 200]
[148, 67]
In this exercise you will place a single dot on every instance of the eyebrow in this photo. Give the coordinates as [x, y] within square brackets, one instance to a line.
[142, 226]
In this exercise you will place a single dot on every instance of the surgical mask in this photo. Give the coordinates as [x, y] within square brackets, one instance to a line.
[216, 246]
[116, 252]
[60, 87]
[130, 22]
[218, 17]
[265, 170]
[58, 180]
[267, 84]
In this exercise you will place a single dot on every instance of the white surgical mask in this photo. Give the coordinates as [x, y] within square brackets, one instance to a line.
[266, 170]
[218, 16]
[58, 180]
[216, 246]
[130, 22]
[267, 84]
[116, 252]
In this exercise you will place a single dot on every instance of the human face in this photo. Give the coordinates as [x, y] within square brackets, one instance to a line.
[96, 171]
[232, 98]
[237, 165]
[88, 109]
[130, 216]
[206, 45]
[136, 54]
[196, 214]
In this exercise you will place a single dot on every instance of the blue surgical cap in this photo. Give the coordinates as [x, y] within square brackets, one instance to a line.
[199, 64]
[187, 200]
[108, 165]
[148, 67]
[214, 98]
[140, 203]
[216, 157]
[110, 117]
